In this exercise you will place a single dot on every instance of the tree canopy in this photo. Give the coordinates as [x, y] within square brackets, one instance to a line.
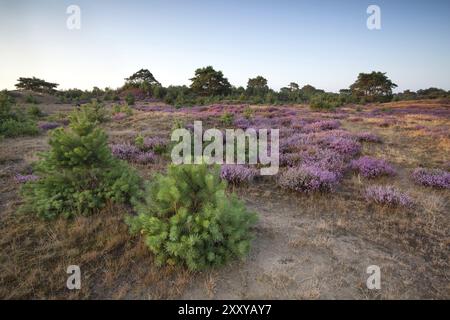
[141, 76]
[374, 86]
[36, 85]
[257, 86]
[209, 82]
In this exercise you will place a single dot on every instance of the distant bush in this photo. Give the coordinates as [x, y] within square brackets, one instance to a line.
[35, 112]
[432, 178]
[94, 112]
[325, 102]
[78, 176]
[45, 126]
[17, 128]
[307, 178]
[186, 218]
[130, 99]
[227, 118]
[370, 167]
[387, 195]
[31, 99]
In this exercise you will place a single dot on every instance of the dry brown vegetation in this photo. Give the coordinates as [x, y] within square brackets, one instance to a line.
[306, 246]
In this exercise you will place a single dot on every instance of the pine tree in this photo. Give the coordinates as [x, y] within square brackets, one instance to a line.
[186, 218]
[79, 175]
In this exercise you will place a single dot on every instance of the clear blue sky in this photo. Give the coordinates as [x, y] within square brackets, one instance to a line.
[323, 43]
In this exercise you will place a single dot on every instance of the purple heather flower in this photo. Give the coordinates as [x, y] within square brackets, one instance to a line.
[308, 178]
[368, 137]
[124, 151]
[387, 195]
[48, 125]
[432, 178]
[237, 174]
[145, 157]
[19, 178]
[371, 167]
[155, 143]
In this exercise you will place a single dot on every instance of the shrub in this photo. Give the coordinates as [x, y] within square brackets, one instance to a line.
[78, 176]
[308, 178]
[322, 125]
[45, 126]
[368, 137]
[248, 113]
[130, 99]
[124, 151]
[186, 218]
[227, 118]
[35, 112]
[94, 112]
[370, 167]
[237, 174]
[119, 116]
[156, 144]
[387, 195]
[432, 178]
[16, 128]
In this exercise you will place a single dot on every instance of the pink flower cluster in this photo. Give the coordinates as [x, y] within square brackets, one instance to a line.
[237, 174]
[432, 178]
[131, 153]
[308, 178]
[370, 167]
[387, 195]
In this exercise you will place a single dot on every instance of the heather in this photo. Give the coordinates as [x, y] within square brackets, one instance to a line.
[387, 195]
[307, 178]
[237, 174]
[370, 167]
[432, 178]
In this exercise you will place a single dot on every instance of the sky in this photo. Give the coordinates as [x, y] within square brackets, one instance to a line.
[325, 43]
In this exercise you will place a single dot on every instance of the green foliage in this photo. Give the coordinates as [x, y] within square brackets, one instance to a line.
[325, 102]
[227, 118]
[35, 112]
[78, 176]
[248, 113]
[31, 99]
[142, 77]
[94, 112]
[257, 86]
[209, 82]
[36, 85]
[16, 128]
[373, 87]
[139, 141]
[186, 218]
[117, 108]
[130, 99]
[12, 122]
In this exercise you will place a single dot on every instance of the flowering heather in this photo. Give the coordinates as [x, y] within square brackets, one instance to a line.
[387, 195]
[347, 147]
[144, 157]
[155, 143]
[237, 174]
[368, 137]
[48, 125]
[322, 125]
[19, 178]
[242, 123]
[290, 159]
[306, 178]
[119, 116]
[370, 167]
[124, 151]
[432, 178]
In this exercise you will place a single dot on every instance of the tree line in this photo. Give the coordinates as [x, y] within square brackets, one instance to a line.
[211, 86]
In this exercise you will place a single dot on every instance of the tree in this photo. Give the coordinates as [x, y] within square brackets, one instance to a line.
[36, 85]
[374, 86]
[209, 82]
[257, 86]
[78, 175]
[186, 217]
[141, 76]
